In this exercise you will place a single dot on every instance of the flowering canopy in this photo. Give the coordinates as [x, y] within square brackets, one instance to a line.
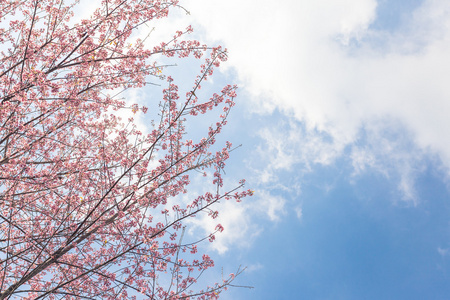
[83, 194]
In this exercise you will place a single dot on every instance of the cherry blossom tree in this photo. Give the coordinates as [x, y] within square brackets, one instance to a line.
[91, 205]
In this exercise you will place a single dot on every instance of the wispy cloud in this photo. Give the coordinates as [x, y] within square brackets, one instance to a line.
[443, 252]
[240, 220]
[299, 212]
[270, 205]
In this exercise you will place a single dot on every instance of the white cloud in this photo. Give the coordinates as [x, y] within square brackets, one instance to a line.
[299, 212]
[238, 232]
[322, 64]
[254, 267]
[271, 206]
[443, 252]
[238, 220]
[241, 221]
[390, 151]
[288, 145]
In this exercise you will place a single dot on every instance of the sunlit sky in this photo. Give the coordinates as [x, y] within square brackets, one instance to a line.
[343, 116]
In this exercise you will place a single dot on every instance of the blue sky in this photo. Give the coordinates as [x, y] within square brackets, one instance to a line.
[343, 116]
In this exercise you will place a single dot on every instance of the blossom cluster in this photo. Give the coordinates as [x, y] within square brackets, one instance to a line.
[84, 194]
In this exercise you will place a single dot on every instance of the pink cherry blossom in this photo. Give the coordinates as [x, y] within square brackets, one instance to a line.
[83, 193]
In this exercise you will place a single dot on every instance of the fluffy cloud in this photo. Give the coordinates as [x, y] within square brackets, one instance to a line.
[322, 64]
